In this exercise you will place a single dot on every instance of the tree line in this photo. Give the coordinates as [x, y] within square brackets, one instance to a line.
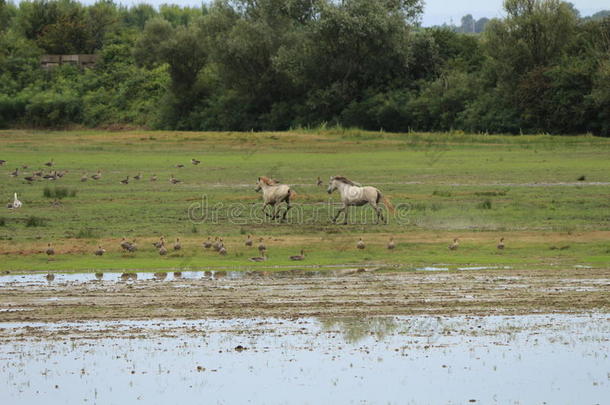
[280, 64]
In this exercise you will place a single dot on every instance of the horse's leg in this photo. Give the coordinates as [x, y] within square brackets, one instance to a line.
[265, 209]
[287, 207]
[339, 211]
[346, 215]
[377, 209]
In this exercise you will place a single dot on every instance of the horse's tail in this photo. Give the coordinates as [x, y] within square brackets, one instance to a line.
[386, 202]
[292, 194]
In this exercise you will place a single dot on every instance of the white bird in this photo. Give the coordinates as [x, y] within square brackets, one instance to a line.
[16, 203]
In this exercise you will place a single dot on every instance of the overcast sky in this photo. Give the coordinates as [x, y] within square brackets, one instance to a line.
[440, 11]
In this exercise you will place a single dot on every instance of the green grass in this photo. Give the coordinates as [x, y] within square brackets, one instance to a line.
[446, 185]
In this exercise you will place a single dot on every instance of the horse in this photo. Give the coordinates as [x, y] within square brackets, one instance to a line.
[274, 194]
[354, 195]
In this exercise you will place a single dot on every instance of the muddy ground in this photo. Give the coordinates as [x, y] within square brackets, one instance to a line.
[307, 294]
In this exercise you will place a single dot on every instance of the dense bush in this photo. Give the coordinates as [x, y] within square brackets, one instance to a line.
[277, 64]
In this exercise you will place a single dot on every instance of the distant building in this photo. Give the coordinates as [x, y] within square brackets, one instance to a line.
[81, 60]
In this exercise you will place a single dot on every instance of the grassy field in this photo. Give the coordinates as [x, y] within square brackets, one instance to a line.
[475, 187]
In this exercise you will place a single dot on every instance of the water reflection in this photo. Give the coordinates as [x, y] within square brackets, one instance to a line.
[521, 359]
[354, 330]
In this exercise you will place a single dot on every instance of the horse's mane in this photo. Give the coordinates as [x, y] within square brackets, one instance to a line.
[345, 180]
[268, 181]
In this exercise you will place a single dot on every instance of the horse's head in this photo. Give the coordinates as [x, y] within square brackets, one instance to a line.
[258, 185]
[332, 185]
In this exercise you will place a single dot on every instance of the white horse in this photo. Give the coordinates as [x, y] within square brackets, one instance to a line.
[273, 195]
[353, 194]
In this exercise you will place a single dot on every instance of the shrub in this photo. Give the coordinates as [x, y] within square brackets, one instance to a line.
[485, 205]
[35, 222]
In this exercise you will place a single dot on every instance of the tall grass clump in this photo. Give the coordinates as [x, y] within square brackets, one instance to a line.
[33, 222]
[58, 193]
[485, 205]
[85, 233]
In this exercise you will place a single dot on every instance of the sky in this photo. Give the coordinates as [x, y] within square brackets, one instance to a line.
[438, 12]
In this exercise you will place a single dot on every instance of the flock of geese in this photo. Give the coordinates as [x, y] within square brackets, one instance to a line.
[218, 246]
[51, 175]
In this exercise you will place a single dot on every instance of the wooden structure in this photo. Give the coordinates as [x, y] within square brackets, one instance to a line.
[80, 60]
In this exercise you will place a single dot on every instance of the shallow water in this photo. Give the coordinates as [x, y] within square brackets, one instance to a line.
[59, 278]
[520, 359]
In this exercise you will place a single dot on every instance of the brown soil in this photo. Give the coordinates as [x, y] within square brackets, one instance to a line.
[299, 294]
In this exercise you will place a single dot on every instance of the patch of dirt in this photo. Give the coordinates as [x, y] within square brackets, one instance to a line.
[301, 294]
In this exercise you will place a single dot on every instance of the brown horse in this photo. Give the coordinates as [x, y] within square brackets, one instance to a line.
[274, 194]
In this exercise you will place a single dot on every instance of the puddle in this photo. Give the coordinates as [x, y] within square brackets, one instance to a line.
[410, 359]
[60, 278]
[431, 268]
[40, 279]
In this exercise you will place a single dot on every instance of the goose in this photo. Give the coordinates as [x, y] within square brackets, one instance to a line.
[97, 175]
[50, 176]
[84, 178]
[15, 173]
[29, 179]
[261, 245]
[99, 275]
[16, 203]
[125, 276]
[207, 244]
[153, 177]
[50, 163]
[61, 173]
[391, 244]
[50, 277]
[38, 173]
[177, 245]
[195, 161]
[174, 180]
[132, 246]
[160, 275]
[261, 258]
[125, 245]
[162, 250]
[177, 274]
[125, 180]
[179, 166]
[298, 257]
[100, 251]
[319, 182]
[24, 166]
[2, 162]
[50, 251]
[360, 244]
[454, 245]
[222, 251]
[501, 244]
[137, 176]
[216, 244]
[160, 243]
[249, 241]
